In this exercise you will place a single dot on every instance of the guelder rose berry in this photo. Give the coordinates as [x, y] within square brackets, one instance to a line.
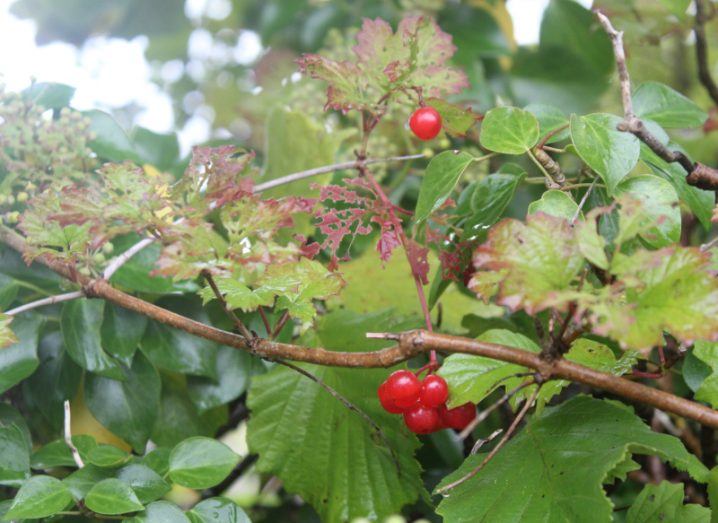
[425, 123]
[458, 418]
[434, 391]
[422, 420]
[402, 388]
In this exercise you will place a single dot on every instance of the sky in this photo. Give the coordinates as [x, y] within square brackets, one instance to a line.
[94, 69]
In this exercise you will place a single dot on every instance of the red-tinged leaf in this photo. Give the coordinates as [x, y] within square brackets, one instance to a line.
[539, 260]
[415, 57]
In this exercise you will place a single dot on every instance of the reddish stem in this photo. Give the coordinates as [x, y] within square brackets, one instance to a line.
[265, 320]
[280, 325]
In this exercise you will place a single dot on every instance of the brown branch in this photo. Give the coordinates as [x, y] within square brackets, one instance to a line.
[699, 175]
[409, 344]
[504, 439]
[704, 72]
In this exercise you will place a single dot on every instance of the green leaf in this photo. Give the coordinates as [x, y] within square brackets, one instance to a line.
[55, 380]
[201, 463]
[160, 512]
[556, 203]
[455, 120]
[297, 143]
[147, 484]
[177, 351]
[218, 510]
[15, 448]
[670, 290]
[664, 502]
[489, 201]
[440, 178]
[160, 150]
[19, 360]
[107, 456]
[83, 480]
[591, 244]
[8, 292]
[121, 332]
[530, 261]
[58, 454]
[707, 352]
[550, 118]
[80, 321]
[473, 378]
[128, 408]
[667, 107]
[324, 452]
[39, 497]
[49, 95]
[111, 497]
[234, 368]
[111, 141]
[509, 130]
[700, 202]
[606, 150]
[559, 470]
[158, 460]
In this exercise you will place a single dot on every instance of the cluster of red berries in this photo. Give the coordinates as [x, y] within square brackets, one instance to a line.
[425, 123]
[423, 402]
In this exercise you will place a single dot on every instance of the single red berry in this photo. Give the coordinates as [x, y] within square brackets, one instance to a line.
[459, 417]
[425, 123]
[386, 401]
[434, 391]
[403, 387]
[422, 420]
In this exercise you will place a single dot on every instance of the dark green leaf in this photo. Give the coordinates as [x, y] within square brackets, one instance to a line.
[159, 150]
[58, 454]
[129, 407]
[147, 484]
[82, 480]
[55, 380]
[107, 456]
[112, 496]
[550, 119]
[81, 321]
[201, 463]
[439, 180]
[15, 448]
[122, 331]
[19, 360]
[556, 469]
[39, 497]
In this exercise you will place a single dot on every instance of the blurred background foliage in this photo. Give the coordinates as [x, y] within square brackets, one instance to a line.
[231, 64]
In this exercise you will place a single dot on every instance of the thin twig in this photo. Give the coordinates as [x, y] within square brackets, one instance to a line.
[704, 70]
[512, 428]
[239, 324]
[583, 201]
[348, 404]
[265, 321]
[329, 168]
[68, 436]
[280, 325]
[699, 175]
[51, 300]
[483, 441]
[487, 412]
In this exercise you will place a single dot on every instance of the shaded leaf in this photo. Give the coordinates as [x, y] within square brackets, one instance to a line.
[201, 463]
[112, 496]
[441, 176]
[39, 497]
[664, 502]
[509, 130]
[667, 107]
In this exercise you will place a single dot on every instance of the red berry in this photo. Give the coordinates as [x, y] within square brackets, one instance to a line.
[458, 418]
[425, 123]
[403, 387]
[422, 420]
[434, 391]
[386, 401]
